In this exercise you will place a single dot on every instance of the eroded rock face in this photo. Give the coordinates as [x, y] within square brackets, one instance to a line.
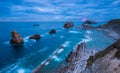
[68, 25]
[53, 31]
[37, 36]
[106, 61]
[112, 28]
[16, 38]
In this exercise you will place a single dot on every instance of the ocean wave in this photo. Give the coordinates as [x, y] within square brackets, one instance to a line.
[66, 43]
[56, 58]
[87, 37]
[44, 49]
[88, 32]
[61, 36]
[74, 32]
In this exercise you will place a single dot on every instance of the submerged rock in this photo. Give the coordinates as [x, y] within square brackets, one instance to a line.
[16, 38]
[89, 22]
[36, 25]
[37, 36]
[53, 31]
[87, 26]
[68, 25]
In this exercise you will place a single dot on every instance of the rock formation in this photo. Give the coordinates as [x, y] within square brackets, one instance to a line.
[73, 60]
[112, 28]
[53, 31]
[68, 25]
[16, 38]
[37, 36]
[87, 26]
[89, 22]
[106, 61]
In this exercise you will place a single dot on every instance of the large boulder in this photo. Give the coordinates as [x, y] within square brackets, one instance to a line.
[37, 36]
[16, 38]
[53, 31]
[68, 25]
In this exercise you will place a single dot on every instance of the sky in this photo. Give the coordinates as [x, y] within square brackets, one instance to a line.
[59, 10]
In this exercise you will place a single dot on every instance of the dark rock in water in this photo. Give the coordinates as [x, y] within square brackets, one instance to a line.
[87, 26]
[68, 25]
[69, 58]
[73, 60]
[36, 25]
[89, 22]
[16, 38]
[53, 31]
[37, 36]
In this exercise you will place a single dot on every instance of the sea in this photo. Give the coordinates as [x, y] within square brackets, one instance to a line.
[34, 52]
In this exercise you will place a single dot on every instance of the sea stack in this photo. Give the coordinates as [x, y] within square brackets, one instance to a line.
[68, 25]
[53, 31]
[37, 36]
[16, 38]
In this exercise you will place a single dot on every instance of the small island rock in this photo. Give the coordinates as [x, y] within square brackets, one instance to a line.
[16, 38]
[53, 31]
[68, 25]
[37, 36]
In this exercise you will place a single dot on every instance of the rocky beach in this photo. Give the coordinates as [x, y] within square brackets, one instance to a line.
[105, 61]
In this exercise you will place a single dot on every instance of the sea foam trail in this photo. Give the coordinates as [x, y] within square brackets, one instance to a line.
[74, 32]
[53, 56]
[16, 66]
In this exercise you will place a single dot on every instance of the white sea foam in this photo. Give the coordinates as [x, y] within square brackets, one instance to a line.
[66, 44]
[87, 37]
[60, 50]
[61, 36]
[21, 71]
[88, 32]
[46, 63]
[74, 32]
[56, 58]
[44, 49]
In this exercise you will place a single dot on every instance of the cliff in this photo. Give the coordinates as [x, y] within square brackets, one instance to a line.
[106, 61]
[112, 28]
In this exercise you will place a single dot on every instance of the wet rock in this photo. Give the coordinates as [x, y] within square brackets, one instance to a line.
[53, 31]
[37, 36]
[16, 38]
[73, 60]
[69, 58]
[68, 25]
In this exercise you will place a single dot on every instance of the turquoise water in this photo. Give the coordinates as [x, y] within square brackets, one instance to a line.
[33, 53]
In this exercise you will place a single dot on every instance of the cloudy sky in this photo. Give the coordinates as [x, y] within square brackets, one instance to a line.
[58, 10]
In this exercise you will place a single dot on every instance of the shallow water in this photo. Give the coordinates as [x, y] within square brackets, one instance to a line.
[33, 53]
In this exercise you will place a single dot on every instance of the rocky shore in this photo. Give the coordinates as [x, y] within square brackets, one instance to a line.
[105, 61]
[112, 28]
